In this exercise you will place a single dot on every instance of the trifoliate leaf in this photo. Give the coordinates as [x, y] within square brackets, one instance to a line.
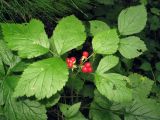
[141, 85]
[30, 40]
[132, 20]
[143, 109]
[68, 34]
[114, 86]
[69, 111]
[107, 63]
[131, 47]
[106, 42]
[97, 26]
[43, 78]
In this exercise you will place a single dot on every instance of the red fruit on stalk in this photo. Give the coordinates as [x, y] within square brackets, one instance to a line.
[85, 54]
[84, 69]
[87, 64]
[70, 65]
[89, 70]
[68, 60]
[73, 59]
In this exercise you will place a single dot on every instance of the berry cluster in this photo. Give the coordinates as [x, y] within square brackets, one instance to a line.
[70, 62]
[86, 68]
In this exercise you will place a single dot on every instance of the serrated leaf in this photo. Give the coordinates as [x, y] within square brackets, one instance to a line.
[106, 42]
[68, 34]
[132, 20]
[141, 85]
[20, 109]
[7, 56]
[32, 35]
[69, 111]
[97, 26]
[43, 78]
[131, 47]
[143, 109]
[107, 63]
[114, 87]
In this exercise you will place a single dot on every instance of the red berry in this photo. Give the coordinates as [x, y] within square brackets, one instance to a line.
[89, 69]
[87, 64]
[73, 59]
[85, 54]
[67, 60]
[84, 69]
[70, 65]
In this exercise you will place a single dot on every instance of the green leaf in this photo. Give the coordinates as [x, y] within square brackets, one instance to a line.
[43, 78]
[75, 83]
[2, 71]
[155, 11]
[51, 101]
[154, 22]
[87, 91]
[158, 66]
[131, 47]
[69, 111]
[19, 67]
[78, 116]
[32, 35]
[114, 87]
[107, 63]
[98, 113]
[68, 34]
[97, 26]
[141, 85]
[7, 56]
[146, 66]
[132, 20]
[106, 42]
[106, 2]
[143, 109]
[103, 109]
[20, 109]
